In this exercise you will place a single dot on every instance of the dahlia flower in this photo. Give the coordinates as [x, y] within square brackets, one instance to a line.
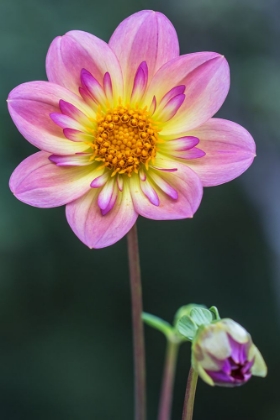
[223, 354]
[125, 129]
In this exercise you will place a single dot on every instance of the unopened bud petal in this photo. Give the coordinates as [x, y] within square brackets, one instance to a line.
[223, 354]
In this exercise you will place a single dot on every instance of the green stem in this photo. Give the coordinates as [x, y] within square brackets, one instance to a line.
[190, 395]
[168, 380]
[137, 325]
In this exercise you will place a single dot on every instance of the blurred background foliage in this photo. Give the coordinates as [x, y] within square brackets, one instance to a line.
[65, 327]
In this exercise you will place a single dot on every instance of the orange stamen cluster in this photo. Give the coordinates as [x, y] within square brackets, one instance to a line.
[124, 139]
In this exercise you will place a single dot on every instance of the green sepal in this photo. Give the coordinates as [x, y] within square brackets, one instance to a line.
[185, 310]
[201, 316]
[186, 327]
[215, 313]
[158, 323]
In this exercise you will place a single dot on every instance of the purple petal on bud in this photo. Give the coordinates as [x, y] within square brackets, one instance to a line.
[239, 351]
[236, 369]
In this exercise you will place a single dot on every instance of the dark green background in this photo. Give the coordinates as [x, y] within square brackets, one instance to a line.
[65, 328]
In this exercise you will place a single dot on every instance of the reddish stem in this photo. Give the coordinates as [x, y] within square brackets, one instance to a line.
[137, 324]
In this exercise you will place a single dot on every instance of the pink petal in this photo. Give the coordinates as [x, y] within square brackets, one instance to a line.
[144, 36]
[112, 201]
[105, 195]
[120, 182]
[107, 86]
[64, 121]
[90, 83]
[193, 153]
[229, 149]
[71, 111]
[184, 181]
[140, 82]
[80, 159]
[206, 77]
[94, 229]
[40, 183]
[177, 90]
[171, 108]
[181, 144]
[30, 106]
[76, 50]
[76, 135]
[153, 106]
[142, 175]
[100, 181]
[149, 192]
[163, 185]
[165, 169]
[88, 98]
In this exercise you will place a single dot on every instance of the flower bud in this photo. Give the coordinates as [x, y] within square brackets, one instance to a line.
[223, 354]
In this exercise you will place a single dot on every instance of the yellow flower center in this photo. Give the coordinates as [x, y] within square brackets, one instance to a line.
[125, 139]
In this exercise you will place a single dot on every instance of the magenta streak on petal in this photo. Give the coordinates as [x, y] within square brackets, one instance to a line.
[177, 90]
[153, 106]
[105, 195]
[107, 85]
[120, 182]
[64, 121]
[164, 169]
[100, 181]
[142, 175]
[171, 108]
[93, 86]
[193, 153]
[149, 192]
[164, 186]
[182, 143]
[112, 201]
[76, 135]
[81, 159]
[87, 97]
[71, 111]
[140, 82]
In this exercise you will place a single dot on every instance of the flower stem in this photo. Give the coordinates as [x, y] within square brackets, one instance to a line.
[137, 324]
[190, 395]
[168, 380]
